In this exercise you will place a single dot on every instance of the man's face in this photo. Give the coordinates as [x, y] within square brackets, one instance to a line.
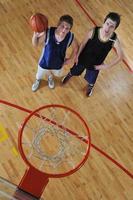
[63, 28]
[109, 26]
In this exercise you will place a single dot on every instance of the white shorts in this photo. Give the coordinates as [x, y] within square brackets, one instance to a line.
[44, 72]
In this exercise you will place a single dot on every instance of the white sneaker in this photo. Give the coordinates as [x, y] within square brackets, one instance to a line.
[51, 83]
[89, 90]
[35, 85]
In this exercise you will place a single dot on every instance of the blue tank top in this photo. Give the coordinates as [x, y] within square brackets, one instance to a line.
[53, 53]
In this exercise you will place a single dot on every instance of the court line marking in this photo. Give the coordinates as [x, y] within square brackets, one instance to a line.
[92, 145]
[3, 134]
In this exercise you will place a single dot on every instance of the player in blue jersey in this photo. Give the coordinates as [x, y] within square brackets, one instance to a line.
[94, 50]
[55, 42]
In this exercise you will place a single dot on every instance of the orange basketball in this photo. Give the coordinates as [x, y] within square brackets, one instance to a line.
[38, 22]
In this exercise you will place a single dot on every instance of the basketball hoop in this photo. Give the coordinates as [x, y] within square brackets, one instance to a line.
[54, 141]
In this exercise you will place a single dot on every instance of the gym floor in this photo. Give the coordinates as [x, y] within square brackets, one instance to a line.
[108, 172]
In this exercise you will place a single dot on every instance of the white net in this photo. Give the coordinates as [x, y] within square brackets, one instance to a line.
[55, 140]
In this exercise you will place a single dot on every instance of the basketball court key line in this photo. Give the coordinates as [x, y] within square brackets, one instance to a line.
[92, 145]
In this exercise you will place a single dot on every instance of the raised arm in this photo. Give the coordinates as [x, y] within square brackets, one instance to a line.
[38, 38]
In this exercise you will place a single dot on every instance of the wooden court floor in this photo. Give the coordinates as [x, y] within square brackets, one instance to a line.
[108, 172]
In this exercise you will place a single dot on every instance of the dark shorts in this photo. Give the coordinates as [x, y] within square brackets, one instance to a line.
[90, 75]
[77, 70]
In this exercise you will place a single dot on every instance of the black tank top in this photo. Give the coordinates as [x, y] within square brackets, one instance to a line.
[96, 50]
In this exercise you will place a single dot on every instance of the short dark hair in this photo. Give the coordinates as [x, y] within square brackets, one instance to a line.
[66, 18]
[114, 17]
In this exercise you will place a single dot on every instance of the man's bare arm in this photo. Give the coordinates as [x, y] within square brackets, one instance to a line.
[38, 38]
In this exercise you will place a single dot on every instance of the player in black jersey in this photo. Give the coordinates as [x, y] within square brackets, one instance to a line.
[94, 49]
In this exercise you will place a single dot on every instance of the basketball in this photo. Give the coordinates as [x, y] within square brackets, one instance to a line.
[38, 22]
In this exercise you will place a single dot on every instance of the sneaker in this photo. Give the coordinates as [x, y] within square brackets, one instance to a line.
[89, 90]
[51, 83]
[66, 78]
[35, 85]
